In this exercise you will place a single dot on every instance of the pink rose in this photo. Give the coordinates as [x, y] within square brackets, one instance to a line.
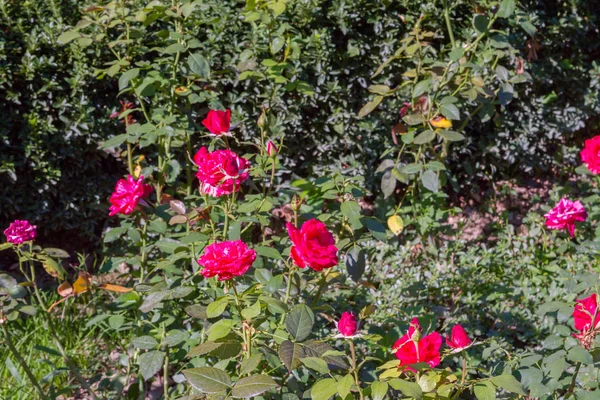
[313, 245]
[428, 347]
[226, 259]
[565, 214]
[218, 122]
[347, 324]
[590, 154]
[458, 340]
[20, 231]
[128, 192]
[220, 172]
[586, 311]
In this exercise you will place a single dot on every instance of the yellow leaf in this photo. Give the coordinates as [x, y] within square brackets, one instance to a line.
[115, 288]
[137, 171]
[395, 224]
[82, 284]
[441, 122]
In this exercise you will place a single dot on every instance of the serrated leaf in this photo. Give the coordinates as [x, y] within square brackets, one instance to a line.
[409, 389]
[430, 181]
[509, 383]
[150, 363]
[127, 76]
[315, 363]
[450, 111]
[484, 391]
[145, 342]
[370, 106]
[290, 354]
[355, 263]
[424, 137]
[199, 65]
[67, 37]
[323, 389]
[207, 379]
[253, 385]
[299, 322]
[250, 364]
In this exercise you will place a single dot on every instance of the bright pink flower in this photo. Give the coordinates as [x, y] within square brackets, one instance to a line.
[412, 348]
[585, 311]
[458, 340]
[272, 149]
[565, 214]
[128, 192]
[226, 259]
[590, 154]
[20, 231]
[218, 122]
[125, 105]
[347, 324]
[313, 245]
[220, 172]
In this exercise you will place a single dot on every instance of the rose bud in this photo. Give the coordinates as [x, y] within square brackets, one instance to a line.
[272, 149]
[347, 325]
[458, 340]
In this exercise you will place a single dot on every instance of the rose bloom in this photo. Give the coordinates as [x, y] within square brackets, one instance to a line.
[458, 339]
[565, 214]
[226, 259]
[218, 122]
[313, 245]
[220, 172]
[585, 311]
[128, 192]
[428, 346]
[20, 231]
[347, 325]
[590, 154]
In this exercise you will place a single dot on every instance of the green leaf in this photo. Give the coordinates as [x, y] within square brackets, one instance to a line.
[414, 119]
[203, 348]
[579, 354]
[370, 106]
[450, 111]
[509, 383]
[344, 385]
[114, 141]
[145, 342]
[480, 22]
[451, 136]
[57, 253]
[323, 389]
[528, 27]
[430, 181]
[378, 390]
[217, 307]
[150, 363]
[424, 137]
[290, 354]
[421, 88]
[128, 76]
[13, 370]
[269, 252]
[299, 322]
[253, 385]
[250, 364]
[277, 44]
[388, 184]
[507, 7]
[207, 379]
[409, 389]
[376, 228]
[67, 37]
[484, 391]
[316, 363]
[356, 260]
[198, 65]
[251, 312]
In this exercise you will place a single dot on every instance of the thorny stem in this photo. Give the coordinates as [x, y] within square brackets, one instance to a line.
[22, 362]
[464, 367]
[573, 380]
[322, 285]
[289, 284]
[354, 370]
[448, 23]
[245, 331]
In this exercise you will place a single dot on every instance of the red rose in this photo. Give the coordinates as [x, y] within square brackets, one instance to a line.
[412, 348]
[313, 245]
[347, 324]
[458, 340]
[128, 192]
[226, 259]
[585, 311]
[590, 154]
[218, 122]
[20, 231]
[565, 214]
[220, 172]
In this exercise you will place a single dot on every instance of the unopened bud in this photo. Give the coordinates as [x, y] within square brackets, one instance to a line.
[296, 203]
[272, 149]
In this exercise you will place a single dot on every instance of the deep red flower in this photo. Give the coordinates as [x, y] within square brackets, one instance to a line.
[128, 192]
[586, 311]
[565, 214]
[128, 119]
[458, 340]
[20, 231]
[313, 245]
[220, 172]
[226, 259]
[590, 154]
[347, 324]
[218, 122]
[412, 348]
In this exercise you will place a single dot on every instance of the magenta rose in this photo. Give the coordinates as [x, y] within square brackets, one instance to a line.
[220, 172]
[565, 214]
[128, 192]
[226, 259]
[590, 154]
[414, 348]
[218, 122]
[20, 231]
[313, 245]
[458, 340]
[348, 324]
